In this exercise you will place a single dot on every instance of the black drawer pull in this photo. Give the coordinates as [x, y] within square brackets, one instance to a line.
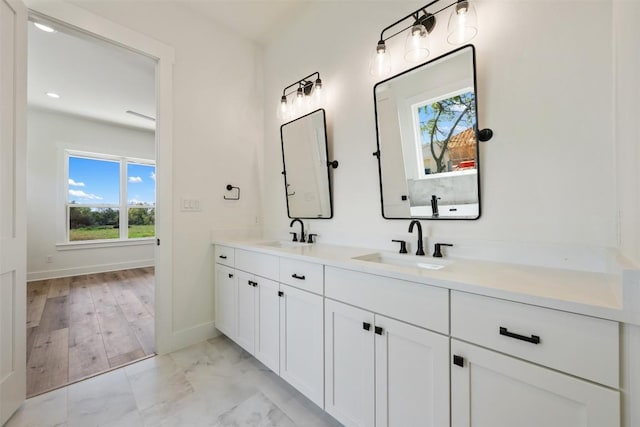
[533, 339]
[223, 256]
[366, 326]
[295, 276]
[250, 282]
[378, 330]
[280, 293]
[458, 360]
[230, 275]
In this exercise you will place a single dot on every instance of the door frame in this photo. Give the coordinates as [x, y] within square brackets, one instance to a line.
[84, 21]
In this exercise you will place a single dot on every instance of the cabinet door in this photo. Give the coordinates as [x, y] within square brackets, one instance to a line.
[302, 342]
[412, 375]
[226, 303]
[494, 390]
[246, 311]
[349, 364]
[267, 323]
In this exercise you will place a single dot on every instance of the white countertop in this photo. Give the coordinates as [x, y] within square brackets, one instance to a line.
[609, 296]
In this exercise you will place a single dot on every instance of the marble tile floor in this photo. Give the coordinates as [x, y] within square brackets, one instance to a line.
[212, 383]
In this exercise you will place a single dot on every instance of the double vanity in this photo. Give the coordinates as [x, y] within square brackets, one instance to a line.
[385, 339]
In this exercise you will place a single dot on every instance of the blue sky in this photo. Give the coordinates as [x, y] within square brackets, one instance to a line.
[98, 182]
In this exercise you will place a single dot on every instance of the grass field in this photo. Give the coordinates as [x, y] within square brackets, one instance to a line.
[108, 232]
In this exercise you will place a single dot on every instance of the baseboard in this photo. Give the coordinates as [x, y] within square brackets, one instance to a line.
[88, 269]
[186, 337]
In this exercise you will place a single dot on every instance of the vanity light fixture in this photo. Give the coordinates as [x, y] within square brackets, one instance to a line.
[462, 28]
[308, 96]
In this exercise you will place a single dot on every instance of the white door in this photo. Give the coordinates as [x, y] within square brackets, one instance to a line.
[349, 364]
[13, 254]
[412, 375]
[267, 323]
[226, 303]
[302, 342]
[494, 390]
[246, 311]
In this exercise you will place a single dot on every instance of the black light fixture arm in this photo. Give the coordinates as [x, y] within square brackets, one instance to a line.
[302, 83]
[416, 16]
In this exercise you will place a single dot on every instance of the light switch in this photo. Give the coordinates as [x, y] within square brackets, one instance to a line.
[190, 205]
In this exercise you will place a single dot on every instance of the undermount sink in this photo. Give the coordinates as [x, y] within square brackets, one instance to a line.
[405, 260]
[284, 244]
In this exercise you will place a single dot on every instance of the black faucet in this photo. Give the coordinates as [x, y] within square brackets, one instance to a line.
[434, 206]
[420, 250]
[302, 237]
[437, 253]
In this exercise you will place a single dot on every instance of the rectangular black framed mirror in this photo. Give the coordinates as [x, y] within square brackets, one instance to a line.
[306, 168]
[427, 139]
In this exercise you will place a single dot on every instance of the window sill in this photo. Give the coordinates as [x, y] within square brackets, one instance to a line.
[97, 244]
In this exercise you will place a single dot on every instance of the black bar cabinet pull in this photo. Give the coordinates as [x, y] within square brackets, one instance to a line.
[223, 256]
[378, 330]
[366, 326]
[230, 275]
[533, 339]
[295, 276]
[250, 282]
[458, 360]
[280, 293]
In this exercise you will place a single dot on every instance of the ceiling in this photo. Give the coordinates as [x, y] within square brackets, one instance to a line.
[94, 78]
[102, 81]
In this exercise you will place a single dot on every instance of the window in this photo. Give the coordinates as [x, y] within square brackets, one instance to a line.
[445, 133]
[109, 198]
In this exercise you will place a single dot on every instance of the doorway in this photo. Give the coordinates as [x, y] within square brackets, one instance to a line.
[91, 205]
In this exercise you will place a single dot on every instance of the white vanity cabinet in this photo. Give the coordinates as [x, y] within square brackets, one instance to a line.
[302, 342]
[499, 390]
[381, 371]
[280, 324]
[259, 318]
[226, 294]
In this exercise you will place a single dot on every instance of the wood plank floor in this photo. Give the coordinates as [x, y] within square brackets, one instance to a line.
[80, 326]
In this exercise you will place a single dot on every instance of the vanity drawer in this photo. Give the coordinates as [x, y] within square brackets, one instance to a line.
[580, 345]
[416, 303]
[224, 255]
[256, 263]
[300, 274]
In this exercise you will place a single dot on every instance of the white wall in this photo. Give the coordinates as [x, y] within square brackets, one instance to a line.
[545, 86]
[217, 140]
[627, 67]
[49, 134]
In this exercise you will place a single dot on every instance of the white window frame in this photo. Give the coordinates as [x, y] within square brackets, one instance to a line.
[417, 137]
[123, 207]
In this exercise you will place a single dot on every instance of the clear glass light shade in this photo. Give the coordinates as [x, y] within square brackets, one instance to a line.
[284, 110]
[463, 23]
[380, 65]
[416, 47]
[318, 95]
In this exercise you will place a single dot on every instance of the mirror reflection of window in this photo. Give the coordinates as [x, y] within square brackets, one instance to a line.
[444, 133]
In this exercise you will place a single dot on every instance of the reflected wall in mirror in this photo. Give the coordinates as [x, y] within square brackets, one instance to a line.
[306, 170]
[427, 140]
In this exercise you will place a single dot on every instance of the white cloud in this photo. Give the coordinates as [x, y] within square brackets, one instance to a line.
[152, 175]
[139, 202]
[135, 179]
[82, 195]
[75, 184]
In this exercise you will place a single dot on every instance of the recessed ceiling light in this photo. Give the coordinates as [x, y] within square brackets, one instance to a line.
[45, 28]
[53, 95]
